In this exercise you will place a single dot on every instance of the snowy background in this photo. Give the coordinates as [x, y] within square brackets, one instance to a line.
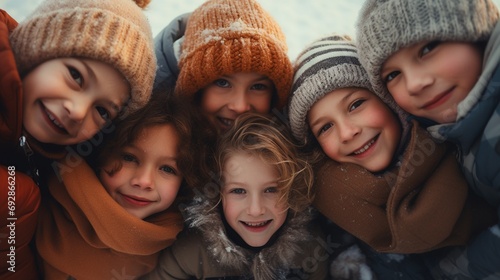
[302, 21]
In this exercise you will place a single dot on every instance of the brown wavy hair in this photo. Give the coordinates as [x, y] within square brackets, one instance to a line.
[270, 139]
[195, 142]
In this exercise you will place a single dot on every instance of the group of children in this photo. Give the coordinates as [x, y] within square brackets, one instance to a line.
[237, 162]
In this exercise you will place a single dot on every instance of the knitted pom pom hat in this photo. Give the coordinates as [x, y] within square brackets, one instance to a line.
[224, 37]
[329, 63]
[112, 31]
[386, 26]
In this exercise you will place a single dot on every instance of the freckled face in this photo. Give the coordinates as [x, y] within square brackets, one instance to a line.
[250, 198]
[430, 79]
[354, 125]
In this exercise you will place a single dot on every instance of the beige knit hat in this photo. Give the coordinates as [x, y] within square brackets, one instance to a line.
[116, 32]
[228, 36]
[386, 26]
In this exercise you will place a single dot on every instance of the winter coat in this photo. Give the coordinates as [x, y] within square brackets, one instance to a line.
[11, 98]
[477, 135]
[22, 220]
[83, 233]
[167, 68]
[418, 205]
[205, 251]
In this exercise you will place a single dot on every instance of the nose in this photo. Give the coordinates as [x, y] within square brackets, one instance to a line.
[77, 108]
[256, 206]
[238, 102]
[417, 79]
[348, 130]
[143, 178]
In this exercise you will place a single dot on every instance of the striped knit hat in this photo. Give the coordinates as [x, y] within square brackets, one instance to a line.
[116, 32]
[224, 37]
[386, 26]
[327, 64]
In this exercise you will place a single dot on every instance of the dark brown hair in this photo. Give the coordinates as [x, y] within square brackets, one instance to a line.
[165, 108]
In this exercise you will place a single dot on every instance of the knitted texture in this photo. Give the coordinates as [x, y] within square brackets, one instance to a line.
[224, 37]
[116, 32]
[327, 64]
[386, 26]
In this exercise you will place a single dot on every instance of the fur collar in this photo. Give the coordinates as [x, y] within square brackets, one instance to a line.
[271, 262]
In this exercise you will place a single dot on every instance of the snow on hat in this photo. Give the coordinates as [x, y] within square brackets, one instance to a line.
[116, 32]
[227, 36]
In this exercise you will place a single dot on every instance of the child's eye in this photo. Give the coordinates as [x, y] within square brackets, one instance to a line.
[237, 191]
[428, 48]
[391, 76]
[271, 190]
[168, 169]
[356, 104]
[324, 128]
[221, 83]
[105, 115]
[129, 157]
[75, 74]
[259, 87]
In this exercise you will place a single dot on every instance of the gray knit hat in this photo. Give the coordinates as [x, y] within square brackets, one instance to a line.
[385, 26]
[327, 64]
[116, 32]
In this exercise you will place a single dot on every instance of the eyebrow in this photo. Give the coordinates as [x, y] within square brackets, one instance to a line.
[347, 96]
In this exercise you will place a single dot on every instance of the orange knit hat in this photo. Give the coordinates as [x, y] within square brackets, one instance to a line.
[227, 36]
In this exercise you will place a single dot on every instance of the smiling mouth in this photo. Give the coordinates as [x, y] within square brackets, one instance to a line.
[257, 225]
[438, 100]
[366, 146]
[138, 201]
[226, 122]
[55, 123]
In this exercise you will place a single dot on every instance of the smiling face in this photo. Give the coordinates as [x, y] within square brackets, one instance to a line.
[430, 79]
[250, 197]
[232, 95]
[68, 100]
[149, 179]
[354, 125]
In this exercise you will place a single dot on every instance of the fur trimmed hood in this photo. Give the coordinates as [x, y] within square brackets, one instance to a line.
[272, 262]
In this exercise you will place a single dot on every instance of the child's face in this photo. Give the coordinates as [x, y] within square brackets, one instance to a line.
[429, 79]
[354, 125]
[149, 179]
[68, 100]
[232, 95]
[250, 197]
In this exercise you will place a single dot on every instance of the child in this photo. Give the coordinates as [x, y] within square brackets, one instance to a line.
[441, 64]
[67, 70]
[389, 185]
[256, 225]
[114, 223]
[232, 59]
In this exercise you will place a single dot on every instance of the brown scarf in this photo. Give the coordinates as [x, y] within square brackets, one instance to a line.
[85, 234]
[417, 206]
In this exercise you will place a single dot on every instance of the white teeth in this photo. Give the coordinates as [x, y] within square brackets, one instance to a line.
[53, 119]
[256, 224]
[226, 122]
[365, 147]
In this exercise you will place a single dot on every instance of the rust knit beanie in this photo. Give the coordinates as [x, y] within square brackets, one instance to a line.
[227, 36]
[116, 32]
